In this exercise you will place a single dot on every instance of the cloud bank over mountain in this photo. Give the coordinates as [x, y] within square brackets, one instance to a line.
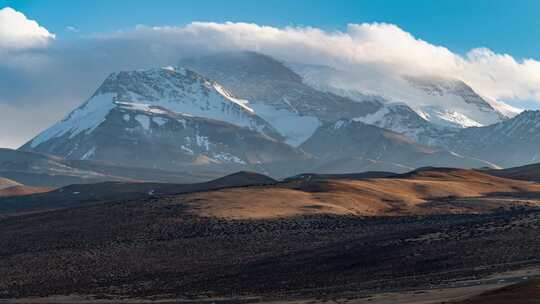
[44, 71]
[376, 47]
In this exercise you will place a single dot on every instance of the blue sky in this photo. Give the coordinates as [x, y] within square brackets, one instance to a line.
[503, 26]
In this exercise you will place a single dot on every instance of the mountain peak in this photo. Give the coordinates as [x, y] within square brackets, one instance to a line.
[176, 90]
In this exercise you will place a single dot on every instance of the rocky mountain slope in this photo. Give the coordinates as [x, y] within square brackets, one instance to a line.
[400, 118]
[353, 146]
[510, 143]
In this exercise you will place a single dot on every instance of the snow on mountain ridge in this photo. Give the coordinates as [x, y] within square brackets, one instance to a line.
[447, 118]
[176, 90]
[443, 101]
[85, 118]
[142, 135]
[402, 119]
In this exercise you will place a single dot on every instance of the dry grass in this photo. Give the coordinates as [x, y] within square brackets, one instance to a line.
[407, 194]
[12, 188]
[23, 190]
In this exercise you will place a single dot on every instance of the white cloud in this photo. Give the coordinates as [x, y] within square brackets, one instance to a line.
[376, 47]
[376, 50]
[501, 76]
[18, 32]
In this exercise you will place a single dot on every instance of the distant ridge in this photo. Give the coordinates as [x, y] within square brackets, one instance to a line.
[527, 172]
[9, 188]
[77, 195]
[42, 170]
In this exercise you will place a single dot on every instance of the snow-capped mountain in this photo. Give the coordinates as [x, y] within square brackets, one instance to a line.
[279, 95]
[261, 115]
[178, 90]
[443, 101]
[164, 117]
[353, 146]
[513, 142]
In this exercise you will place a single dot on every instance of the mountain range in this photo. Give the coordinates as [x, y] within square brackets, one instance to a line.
[237, 111]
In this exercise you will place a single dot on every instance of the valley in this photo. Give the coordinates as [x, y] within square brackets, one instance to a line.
[256, 239]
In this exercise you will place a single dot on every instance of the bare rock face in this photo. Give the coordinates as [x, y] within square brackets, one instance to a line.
[352, 146]
[510, 143]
